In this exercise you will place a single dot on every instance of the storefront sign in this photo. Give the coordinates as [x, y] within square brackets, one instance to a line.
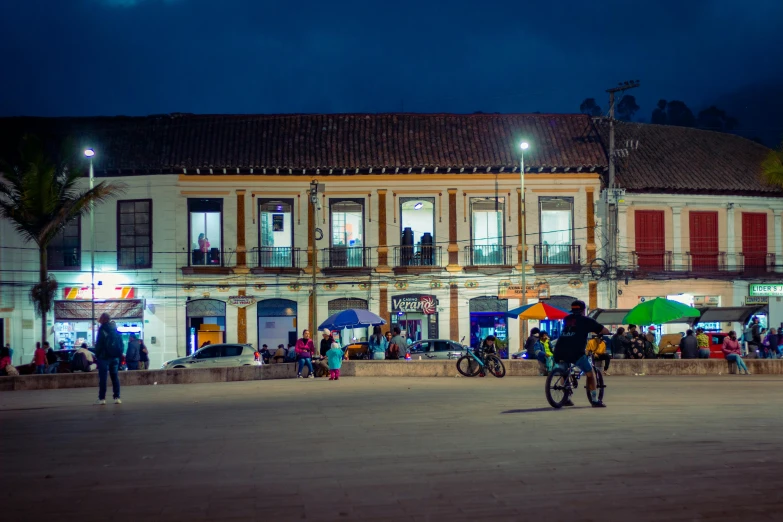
[758, 290]
[752, 301]
[534, 291]
[415, 303]
[706, 300]
[241, 301]
[101, 292]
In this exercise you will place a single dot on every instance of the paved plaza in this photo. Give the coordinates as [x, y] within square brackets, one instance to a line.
[396, 449]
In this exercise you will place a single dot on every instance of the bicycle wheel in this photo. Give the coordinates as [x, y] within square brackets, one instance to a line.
[599, 383]
[467, 366]
[495, 366]
[558, 389]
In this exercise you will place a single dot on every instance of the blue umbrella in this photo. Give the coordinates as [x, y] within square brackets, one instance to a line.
[351, 318]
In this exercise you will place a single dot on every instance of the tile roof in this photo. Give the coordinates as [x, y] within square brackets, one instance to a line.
[670, 159]
[328, 141]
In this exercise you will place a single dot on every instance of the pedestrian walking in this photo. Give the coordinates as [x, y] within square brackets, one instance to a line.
[703, 342]
[378, 344]
[144, 356]
[304, 354]
[39, 358]
[335, 356]
[52, 362]
[731, 350]
[133, 353]
[689, 346]
[108, 349]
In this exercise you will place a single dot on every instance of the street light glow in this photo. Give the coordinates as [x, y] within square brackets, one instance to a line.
[524, 145]
[89, 153]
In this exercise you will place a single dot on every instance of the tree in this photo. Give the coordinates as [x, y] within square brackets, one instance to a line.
[590, 108]
[627, 108]
[39, 196]
[659, 113]
[713, 118]
[677, 113]
[772, 167]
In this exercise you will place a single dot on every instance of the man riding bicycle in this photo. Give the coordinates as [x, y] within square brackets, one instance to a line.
[570, 347]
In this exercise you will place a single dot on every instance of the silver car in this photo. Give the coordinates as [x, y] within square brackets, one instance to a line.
[215, 355]
[437, 349]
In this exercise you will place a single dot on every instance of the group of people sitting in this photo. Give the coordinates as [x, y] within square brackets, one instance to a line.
[539, 346]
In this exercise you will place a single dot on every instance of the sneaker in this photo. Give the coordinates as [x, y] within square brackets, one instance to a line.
[597, 404]
[569, 402]
[607, 373]
[331, 378]
[299, 376]
[117, 401]
[100, 402]
[311, 376]
[336, 378]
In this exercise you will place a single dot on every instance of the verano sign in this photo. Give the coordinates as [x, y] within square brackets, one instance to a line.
[762, 290]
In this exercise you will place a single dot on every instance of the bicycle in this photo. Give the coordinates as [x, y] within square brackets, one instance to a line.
[470, 365]
[561, 383]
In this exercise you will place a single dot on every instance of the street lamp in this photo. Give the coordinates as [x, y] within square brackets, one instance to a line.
[523, 299]
[89, 153]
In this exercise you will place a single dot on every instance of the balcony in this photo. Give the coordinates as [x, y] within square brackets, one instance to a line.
[63, 259]
[705, 262]
[756, 263]
[565, 256]
[652, 261]
[213, 262]
[417, 259]
[344, 260]
[488, 258]
[275, 260]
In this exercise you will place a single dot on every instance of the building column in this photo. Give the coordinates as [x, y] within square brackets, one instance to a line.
[310, 239]
[778, 237]
[383, 249]
[453, 310]
[453, 249]
[384, 302]
[678, 261]
[242, 321]
[593, 295]
[732, 246]
[623, 248]
[241, 246]
[590, 225]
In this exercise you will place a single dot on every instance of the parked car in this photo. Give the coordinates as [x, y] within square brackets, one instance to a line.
[216, 355]
[437, 349]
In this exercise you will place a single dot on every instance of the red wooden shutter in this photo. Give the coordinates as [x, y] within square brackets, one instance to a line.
[754, 239]
[650, 239]
[704, 240]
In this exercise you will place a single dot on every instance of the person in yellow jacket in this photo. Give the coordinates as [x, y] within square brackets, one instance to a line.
[597, 346]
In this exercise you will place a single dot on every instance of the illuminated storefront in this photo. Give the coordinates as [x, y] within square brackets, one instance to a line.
[73, 315]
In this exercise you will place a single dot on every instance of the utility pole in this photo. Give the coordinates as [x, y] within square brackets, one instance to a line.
[610, 197]
[315, 188]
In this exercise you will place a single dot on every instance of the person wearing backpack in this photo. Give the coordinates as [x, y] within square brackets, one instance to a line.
[108, 349]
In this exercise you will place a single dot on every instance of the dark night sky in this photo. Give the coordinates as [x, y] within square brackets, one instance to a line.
[135, 57]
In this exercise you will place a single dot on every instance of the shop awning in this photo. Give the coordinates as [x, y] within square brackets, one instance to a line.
[82, 310]
[606, 317]
[728, 314]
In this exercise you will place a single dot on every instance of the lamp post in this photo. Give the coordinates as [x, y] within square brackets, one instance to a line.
[314, 203]
[90, 153]
[523, 298]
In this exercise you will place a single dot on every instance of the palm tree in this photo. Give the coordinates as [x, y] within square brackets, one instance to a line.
[772, 167]
[39, 197]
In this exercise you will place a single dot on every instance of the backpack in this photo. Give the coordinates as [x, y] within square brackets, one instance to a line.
[114, 346]
[393, 351]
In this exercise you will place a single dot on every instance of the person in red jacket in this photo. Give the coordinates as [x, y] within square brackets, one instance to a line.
[732, 351]
[305, 349]
[39, 358]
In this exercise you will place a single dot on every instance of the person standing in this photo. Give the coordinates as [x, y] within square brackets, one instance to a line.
[620, 344]
[108, 349]
[133, 353]
[304, 354]
[39, 358]
[335, 356]
[771, 348]
[703, 342]
[397, 346]
[755, 336]
[378, 344]
[144, 356]
[631, 331]
[731, 350]
[689, 346]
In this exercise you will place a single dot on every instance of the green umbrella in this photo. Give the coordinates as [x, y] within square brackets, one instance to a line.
[659, 311]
